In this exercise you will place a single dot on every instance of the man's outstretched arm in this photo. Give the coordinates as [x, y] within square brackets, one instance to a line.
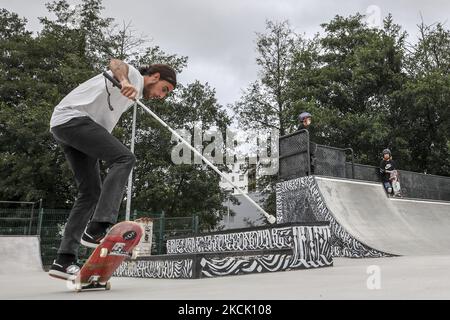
[120, 72]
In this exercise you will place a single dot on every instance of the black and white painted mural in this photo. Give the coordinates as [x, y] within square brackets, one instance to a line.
[262, 239]
[284, 248]
[300, 200]
[309, 249]
[159, 269]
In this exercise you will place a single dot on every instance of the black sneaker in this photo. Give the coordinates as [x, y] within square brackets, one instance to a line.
[94, 234]
[64, 271]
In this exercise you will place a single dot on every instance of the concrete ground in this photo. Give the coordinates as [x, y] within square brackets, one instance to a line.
[385, 278]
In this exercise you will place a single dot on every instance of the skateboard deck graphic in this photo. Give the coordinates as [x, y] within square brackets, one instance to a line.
[117, 245]
[395, 182]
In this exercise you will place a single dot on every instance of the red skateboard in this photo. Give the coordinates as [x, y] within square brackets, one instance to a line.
[117, 245]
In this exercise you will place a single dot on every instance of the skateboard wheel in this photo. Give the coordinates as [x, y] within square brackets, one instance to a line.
[134, 254]
[108, 286]
[78, 287]
[103, 252]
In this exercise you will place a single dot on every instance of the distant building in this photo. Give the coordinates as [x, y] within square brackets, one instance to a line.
[246, 215]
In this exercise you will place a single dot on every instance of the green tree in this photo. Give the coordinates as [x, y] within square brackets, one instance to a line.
[31, 165]
[264, 103]
[423, 104]
[346, 78]
[161, 185]
[39, 70]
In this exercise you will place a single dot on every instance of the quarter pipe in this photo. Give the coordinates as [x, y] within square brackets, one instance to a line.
[364, 221]
[19, 254]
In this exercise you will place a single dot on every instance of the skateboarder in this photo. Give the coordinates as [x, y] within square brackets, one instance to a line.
[389, 174]
[305, 119]
[82, 124]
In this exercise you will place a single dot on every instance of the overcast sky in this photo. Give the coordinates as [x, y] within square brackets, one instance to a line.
[219, 36]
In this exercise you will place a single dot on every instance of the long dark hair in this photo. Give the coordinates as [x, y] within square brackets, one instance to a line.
[166, 72]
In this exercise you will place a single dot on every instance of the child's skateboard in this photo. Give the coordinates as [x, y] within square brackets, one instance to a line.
[395, 182]
[117, 245]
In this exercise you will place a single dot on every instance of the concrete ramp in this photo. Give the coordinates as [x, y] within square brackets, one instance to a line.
[20, 254]
[394, 226]
[364, 221]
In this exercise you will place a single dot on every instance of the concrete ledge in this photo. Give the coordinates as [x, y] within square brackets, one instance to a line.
[288, 247]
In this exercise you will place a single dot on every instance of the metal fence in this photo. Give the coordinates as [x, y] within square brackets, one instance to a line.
[49, 225]
[19, 217]
[165, 227]
[294, 155]
[413, 184]
[330, 161]
[300, 157]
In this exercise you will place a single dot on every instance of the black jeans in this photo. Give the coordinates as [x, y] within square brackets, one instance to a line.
[84, 143]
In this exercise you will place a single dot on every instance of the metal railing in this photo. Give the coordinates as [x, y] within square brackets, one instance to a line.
[301, 157]
[19, 217]
[295, 155]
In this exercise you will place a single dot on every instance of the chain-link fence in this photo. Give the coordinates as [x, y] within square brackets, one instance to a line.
[165, 227]
[294, 155]
[19, 217]
[330, 161]
[300, 157]
[52, 223]
[49, 224]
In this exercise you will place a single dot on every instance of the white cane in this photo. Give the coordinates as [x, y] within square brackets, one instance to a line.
[269, 217]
